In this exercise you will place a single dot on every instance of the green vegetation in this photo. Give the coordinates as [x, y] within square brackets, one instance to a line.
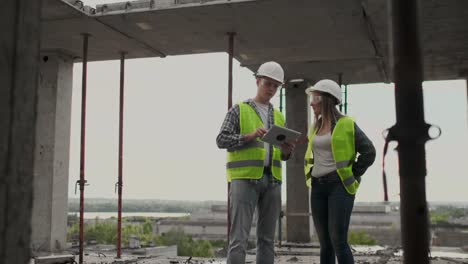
[110, 205]
[186, 246]
[438, 218]
[441, 214]
[105, 232]
[361, 238]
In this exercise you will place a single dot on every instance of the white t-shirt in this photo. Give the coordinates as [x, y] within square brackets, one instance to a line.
[324, 162]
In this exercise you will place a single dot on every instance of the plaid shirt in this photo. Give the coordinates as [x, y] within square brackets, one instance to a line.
[229, 136]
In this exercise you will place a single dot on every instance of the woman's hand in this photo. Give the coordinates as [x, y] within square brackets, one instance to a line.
[288, 147]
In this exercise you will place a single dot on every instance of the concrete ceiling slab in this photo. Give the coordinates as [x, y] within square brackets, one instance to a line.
[312, 39]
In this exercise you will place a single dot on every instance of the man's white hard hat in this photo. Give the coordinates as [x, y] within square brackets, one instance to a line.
[326, 86]
[271, 70]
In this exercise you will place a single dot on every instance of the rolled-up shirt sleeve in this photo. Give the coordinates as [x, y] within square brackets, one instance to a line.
[366, 151]
[229, 135]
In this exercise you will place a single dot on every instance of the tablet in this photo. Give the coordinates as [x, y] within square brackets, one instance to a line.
[277, 135]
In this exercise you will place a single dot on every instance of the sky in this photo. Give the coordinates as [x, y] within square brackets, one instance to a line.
[174, 108]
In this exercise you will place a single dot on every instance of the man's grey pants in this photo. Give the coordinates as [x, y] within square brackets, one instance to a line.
[245, 196]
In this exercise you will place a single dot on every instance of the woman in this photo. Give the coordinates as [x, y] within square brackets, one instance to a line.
[332, 170]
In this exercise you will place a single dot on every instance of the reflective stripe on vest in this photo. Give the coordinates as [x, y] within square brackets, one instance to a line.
[250, 163]
[246, 161]
[344, 154]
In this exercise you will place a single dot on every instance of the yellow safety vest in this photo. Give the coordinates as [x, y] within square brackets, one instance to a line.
[344, 154]
[246, 162]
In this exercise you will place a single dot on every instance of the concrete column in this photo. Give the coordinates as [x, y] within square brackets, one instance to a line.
[49, 219]
[297, 194]
[19, 56]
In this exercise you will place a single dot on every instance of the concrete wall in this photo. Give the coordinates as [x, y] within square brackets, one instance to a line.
[204, 231]
[19, 56]
[449, 237]
[52, 153]
[389, 219]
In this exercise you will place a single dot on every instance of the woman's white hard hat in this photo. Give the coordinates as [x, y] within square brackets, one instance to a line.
[326, 86]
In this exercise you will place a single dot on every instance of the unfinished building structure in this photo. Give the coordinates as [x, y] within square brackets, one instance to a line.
[350, 41]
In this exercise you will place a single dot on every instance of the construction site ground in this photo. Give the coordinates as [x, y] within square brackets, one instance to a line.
[290, 254]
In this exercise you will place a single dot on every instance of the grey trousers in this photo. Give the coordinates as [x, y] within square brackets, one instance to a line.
[265, 194]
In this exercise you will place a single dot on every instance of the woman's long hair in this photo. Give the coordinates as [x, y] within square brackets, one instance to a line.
[329, 112]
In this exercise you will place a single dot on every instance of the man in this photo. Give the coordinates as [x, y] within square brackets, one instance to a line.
[254, 167]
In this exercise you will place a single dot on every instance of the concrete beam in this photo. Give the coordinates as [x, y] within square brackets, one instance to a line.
[51, 168]
[297, 203]
[146, 5]
[19, 57]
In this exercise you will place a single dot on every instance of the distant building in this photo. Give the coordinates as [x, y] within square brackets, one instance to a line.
[210, 224]
[214, 229]
[134, 242]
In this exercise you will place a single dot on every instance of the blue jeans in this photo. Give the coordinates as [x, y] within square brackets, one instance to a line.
[246, 195]
[331, 210]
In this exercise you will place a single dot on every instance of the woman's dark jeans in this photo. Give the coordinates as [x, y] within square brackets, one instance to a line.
[331, 210]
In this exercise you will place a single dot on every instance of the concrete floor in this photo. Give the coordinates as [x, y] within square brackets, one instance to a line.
[251, 259]
[287, 255]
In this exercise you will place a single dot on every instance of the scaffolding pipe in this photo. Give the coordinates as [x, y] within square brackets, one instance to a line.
[120, 182]
[411, 130]
[82, 180]
[231, 56]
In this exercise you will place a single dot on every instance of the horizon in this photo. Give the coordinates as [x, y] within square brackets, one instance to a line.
[221, 201]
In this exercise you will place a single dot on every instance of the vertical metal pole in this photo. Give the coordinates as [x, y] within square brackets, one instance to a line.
[340, 82]
[280, 231]
[120, 182]
[281, 100]
[346, 99]
[280, 237]
[231, 56]
[411, 131]
[82, 181]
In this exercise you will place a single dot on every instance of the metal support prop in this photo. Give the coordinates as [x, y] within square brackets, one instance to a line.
[340, 82]
[82, 181]
[280, 235]
[281, 100]
[280, 231]
[345, 99]
[231, 56]
[120, 182]
[411, 130]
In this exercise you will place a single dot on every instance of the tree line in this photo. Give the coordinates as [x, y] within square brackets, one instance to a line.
[110, 205]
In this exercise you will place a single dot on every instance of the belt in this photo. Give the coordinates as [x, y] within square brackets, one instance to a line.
[327, 178]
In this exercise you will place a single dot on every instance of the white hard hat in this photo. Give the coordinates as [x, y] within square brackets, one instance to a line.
[326, 86]
[272, 70]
